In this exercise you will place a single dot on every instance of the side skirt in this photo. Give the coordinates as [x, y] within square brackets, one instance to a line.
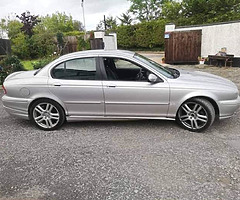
[111, 118]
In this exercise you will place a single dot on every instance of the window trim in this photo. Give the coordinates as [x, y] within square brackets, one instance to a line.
[97, 65]
[104, 74]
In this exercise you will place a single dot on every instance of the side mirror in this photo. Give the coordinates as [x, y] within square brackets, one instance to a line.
[153, 78]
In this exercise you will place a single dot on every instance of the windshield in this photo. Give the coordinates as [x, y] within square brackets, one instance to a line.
[163, 70]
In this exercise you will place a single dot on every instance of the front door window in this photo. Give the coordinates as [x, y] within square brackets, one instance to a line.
[124, 70]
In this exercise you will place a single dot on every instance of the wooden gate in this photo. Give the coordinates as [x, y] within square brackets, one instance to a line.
[183, 46]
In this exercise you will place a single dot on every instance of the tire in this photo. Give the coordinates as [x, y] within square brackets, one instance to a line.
[196, 115]
[47, 114]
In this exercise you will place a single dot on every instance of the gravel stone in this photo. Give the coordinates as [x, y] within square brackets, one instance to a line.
[145, 159]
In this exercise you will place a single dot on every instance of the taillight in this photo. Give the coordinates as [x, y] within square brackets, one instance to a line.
[4, 90]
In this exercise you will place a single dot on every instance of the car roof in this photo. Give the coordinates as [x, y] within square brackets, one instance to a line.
[99, 52]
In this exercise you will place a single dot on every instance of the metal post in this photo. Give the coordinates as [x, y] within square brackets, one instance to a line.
[84, 23]
[105, 23]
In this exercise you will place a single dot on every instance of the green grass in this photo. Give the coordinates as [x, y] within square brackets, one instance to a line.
[28, 64]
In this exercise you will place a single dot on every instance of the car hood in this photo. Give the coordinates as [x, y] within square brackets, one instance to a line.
[203, 80]
[21, 75]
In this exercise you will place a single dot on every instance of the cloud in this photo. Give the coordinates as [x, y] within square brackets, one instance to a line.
[94, 9]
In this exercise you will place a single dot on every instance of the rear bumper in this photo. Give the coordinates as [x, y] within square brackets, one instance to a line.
[16, 106]
[228, 108]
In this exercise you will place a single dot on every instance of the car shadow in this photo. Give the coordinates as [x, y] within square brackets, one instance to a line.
[123, 123]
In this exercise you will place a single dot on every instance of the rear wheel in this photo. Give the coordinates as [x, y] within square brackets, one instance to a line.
[196, 115]
[47, 114]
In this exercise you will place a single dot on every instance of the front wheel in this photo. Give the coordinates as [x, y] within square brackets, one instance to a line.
[196, 115]
[47, 114]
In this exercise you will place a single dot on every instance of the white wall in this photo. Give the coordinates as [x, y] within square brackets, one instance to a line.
[115, 39]
[214, 37]
[109, 42]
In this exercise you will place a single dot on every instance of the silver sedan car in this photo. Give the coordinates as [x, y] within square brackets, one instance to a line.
[114, 84]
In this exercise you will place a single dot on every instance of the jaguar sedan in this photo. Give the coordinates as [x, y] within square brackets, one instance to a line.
[114, 84]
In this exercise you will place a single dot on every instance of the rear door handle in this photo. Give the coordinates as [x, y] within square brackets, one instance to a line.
[57, 84]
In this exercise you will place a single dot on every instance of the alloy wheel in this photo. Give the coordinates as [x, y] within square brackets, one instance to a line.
[46, 115]
[193, 115]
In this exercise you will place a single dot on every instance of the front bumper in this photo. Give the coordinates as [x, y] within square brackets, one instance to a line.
[16, 106]
[228, 108]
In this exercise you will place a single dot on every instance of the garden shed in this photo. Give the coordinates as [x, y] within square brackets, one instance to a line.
[185, 44]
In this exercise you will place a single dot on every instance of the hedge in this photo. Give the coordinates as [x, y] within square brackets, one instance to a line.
[146, 35]
[9, 65]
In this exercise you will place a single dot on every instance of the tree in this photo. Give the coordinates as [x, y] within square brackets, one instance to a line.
[20, 46]
[14, 28]
[28, 21]
[146, 10]
[58, 22]
[3, 27]
[37, 39]
[111, 24]
[77, 26]
[125, 19]
[209, 11]
[60, 42]
[172, 11]
[43, 45]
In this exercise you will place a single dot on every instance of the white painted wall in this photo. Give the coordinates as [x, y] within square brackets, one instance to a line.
[109, 42]
[115, 40]
[214, 37]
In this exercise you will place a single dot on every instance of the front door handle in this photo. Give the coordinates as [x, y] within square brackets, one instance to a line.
[57, 84]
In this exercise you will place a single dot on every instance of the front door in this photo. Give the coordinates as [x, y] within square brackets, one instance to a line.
[128, 93]
[78, 85]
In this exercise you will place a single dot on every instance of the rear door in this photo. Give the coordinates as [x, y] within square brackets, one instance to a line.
[78, 84]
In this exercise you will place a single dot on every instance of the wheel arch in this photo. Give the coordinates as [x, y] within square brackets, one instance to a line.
[44, 98]
[211, 100]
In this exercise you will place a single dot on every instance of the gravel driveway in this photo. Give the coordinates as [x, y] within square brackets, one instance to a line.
[147, 159]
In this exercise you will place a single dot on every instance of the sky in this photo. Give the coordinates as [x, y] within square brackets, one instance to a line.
[94, 9]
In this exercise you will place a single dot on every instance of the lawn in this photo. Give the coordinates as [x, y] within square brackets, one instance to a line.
[37, 63]
[28, 64]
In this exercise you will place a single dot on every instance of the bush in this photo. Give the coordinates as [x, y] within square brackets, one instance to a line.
[9, 65]
[42, 45]
[20, 46]
[3, 75]
[126, 37]
[43, 62]
[83, 44]
[146, 35]
[37, 46]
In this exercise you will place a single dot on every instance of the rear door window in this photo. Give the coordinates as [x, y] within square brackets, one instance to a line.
[77, 69]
